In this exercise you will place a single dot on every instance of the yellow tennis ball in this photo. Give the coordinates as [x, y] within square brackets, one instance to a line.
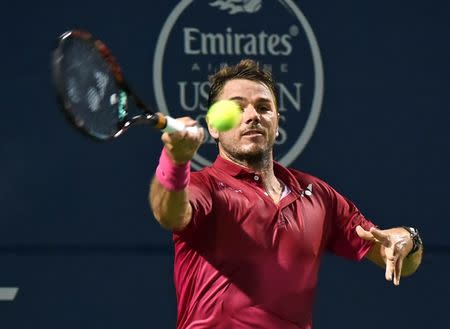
[224, 115]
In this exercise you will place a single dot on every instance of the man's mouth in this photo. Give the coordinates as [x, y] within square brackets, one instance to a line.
[253, 132]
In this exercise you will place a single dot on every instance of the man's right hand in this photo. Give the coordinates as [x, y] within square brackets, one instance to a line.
[182, 145]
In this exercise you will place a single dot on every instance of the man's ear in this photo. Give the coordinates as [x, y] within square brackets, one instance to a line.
[277, 133]
[212, 131]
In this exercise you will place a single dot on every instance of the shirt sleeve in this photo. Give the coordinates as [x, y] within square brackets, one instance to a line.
[200, 198]
[344, 217]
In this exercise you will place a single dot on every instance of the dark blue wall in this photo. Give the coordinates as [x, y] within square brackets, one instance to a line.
[78, 238]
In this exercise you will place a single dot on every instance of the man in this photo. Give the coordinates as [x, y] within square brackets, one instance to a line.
[249, 233]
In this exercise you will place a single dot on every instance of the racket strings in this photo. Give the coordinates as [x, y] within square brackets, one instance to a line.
[91, 94]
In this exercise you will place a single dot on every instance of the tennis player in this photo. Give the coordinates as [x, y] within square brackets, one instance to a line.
[249, 234]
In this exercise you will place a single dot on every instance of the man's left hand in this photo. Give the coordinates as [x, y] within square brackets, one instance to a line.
[395, 244]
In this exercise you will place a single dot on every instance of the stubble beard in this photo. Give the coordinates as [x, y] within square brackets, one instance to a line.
[255, 156]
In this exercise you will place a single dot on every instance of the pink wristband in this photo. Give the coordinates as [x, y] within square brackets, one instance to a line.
[170, 175]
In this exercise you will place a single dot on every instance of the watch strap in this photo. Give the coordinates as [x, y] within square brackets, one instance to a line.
[415, 237]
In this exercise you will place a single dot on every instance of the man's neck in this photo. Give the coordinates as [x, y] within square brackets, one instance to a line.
[262, 164]
[264, 167]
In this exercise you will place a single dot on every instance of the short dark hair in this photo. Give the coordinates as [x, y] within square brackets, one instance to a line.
[246, 69]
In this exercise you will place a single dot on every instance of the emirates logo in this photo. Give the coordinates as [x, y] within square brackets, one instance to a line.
[190, 48]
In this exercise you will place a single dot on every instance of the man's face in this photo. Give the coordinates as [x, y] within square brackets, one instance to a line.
[255, 136]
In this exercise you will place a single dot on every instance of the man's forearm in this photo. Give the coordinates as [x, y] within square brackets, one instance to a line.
[170, 208]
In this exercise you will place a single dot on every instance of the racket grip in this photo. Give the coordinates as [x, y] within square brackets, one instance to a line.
[175, 125]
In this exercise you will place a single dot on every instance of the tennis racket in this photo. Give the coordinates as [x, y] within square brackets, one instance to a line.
[93, 93]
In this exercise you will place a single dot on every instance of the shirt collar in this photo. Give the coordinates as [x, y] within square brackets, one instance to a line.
[236, 170]
[229, 167]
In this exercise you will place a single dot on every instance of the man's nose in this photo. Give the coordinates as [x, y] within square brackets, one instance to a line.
[250, 114]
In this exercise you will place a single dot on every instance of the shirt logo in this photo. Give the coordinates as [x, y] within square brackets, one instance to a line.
[223, 186]
[308, 191]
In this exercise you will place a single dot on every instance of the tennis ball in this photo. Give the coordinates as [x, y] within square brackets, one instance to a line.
[224, 115]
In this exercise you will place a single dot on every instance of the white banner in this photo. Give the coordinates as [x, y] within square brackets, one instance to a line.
[8, 293]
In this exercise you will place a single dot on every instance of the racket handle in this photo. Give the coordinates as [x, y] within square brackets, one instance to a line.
[175, 125]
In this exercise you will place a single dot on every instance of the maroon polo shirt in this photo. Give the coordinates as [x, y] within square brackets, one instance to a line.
[244, 261]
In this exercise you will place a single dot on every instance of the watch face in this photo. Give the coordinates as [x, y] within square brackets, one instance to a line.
[412, 231]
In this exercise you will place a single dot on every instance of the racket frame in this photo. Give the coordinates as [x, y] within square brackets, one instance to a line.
[157, 120]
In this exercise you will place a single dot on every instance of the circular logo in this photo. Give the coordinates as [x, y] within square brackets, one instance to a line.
[199, 37]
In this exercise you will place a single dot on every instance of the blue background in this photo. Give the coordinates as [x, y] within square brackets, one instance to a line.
[77, 235]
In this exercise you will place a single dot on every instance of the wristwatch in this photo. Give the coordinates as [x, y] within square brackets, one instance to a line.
[415, 237]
